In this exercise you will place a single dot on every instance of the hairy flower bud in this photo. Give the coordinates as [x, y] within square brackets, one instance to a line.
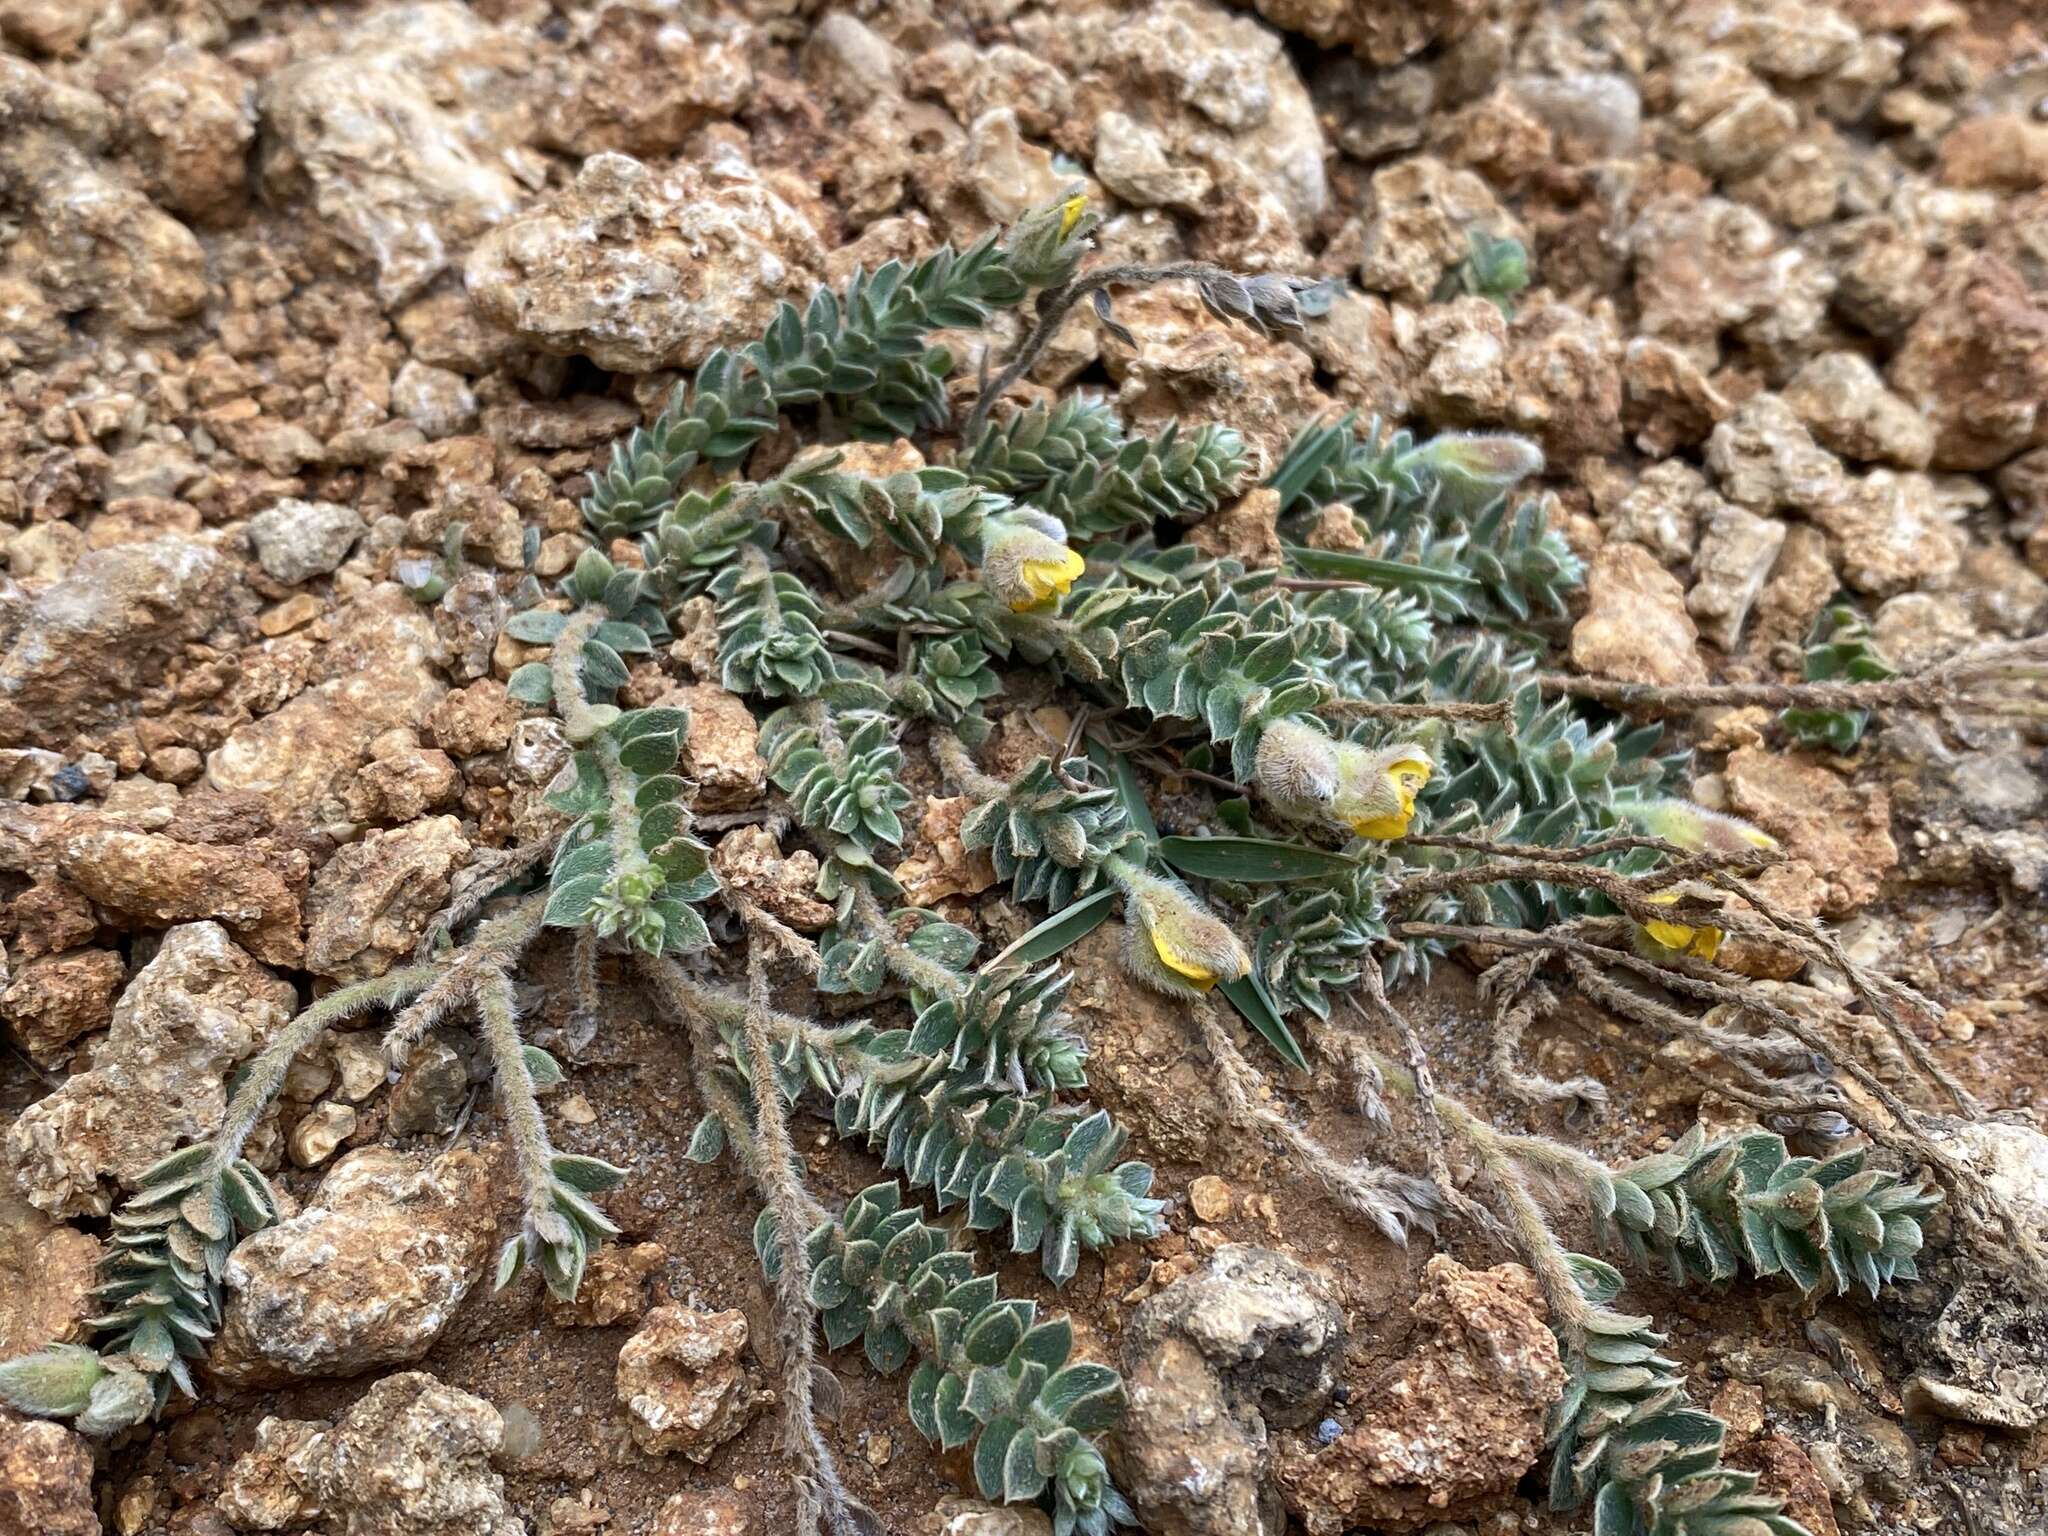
[1695, 828]
[1376, 789]
[120, 1399]
[1296, 769]
[1047, 243]
[54, 1383]
[1172, 942]
[1474, 467]
[1026, 566]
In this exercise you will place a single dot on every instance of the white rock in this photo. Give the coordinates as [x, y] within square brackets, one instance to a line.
[297, 540]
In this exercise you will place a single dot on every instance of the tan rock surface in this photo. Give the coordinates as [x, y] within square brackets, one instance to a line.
[368, 1274]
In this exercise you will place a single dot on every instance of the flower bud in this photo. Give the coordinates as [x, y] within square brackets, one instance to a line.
[54, 1383]
[1475, 467]
[1695, 828]
[1025, 566]
[1047, 243]
[1376, 790]
[120, 1399]
[1173, 943]
[1296, 769]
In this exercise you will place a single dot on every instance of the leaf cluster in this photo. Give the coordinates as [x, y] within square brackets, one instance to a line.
[1627, 1437]
[1839, 649]
[990, 1375]
[1709, 1211]
[627, 864]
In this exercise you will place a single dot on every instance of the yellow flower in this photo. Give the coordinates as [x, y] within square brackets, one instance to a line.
[1025, 561]
[1175, 944]
[1047, 580]
[1376, 794]
[1703, 942]
[1071, 211]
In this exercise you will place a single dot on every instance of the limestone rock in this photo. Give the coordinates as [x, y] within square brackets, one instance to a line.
[48, 1273]
[320, 1131]
[1842, 398]
[936, 865]
[91, 641]
[190, 119]
[683, 1383]
[95, 242]
[1381, 31]
[721, 748]
[1667, 399]
[1450, 1428]
[54, 999]
[411, 1458]
[1764, 458]
[474, 720]
[1801, 584]
[1890, 533]
[1636, 627]
[1131, 159]
[368, 1274]
[1189, 364]
[258, 1493]
[402, 782]
[971, 1517]
[643, 81]
[719, 1513]
[375, 673]
[1976, 364]
[1223, 91]
[1841, 830]
[392, 138]
[1459, 351]
[1418, 225]
[151, 880]
[1662, 509]
[1247, 1344]
[1722, 118]
[371, 902]
[1246, 529]
[1734, 561]
[45, 1480]
[157, 1080]
[639, 269]
[750, 861]
[1564, 381]
[297, 540]
[1706, 265]
[614, 1288]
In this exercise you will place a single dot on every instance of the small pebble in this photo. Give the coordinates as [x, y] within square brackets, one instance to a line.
[1210, 1197]
[1329, 1432]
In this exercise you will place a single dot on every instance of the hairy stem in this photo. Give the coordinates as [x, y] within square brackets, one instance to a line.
[266, 1074]
[530, 1146]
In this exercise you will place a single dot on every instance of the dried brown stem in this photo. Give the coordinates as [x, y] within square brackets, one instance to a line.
[1944, 685]
[1499, 710]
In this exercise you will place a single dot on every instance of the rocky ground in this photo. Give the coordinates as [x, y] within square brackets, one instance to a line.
[287, 291]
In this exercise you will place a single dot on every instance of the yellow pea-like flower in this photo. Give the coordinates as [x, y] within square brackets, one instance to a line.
[1175, 944]
[1071, 211]
[1376, 790]
[1046, 581]
[1025, 561]
[1702, 942]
